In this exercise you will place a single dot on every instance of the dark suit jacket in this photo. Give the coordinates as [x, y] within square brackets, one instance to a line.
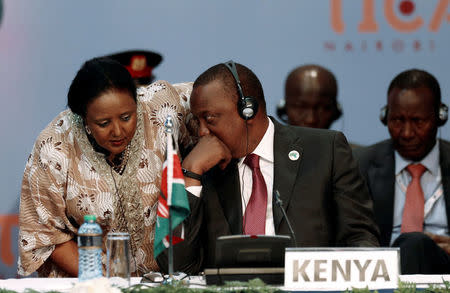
[377, 164]
[323, 193]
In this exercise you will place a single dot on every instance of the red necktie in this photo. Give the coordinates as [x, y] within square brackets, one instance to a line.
[255, 212]
[412, 220]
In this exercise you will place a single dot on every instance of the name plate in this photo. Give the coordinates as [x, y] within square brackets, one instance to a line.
[341, 268]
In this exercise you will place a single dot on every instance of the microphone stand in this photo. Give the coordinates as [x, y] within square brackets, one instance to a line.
[280, 204]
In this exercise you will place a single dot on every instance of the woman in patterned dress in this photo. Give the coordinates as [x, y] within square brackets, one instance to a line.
[103, 156]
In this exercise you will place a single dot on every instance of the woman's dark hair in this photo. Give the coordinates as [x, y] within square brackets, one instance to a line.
[96, 77]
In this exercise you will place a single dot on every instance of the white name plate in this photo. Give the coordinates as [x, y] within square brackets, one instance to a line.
[341, 268]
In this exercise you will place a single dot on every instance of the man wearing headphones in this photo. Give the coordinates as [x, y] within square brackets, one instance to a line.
[408, 175]
[310, 98]
[243, 157]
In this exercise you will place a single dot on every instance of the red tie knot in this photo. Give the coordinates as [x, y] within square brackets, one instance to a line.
[416, 170]
[252, 161]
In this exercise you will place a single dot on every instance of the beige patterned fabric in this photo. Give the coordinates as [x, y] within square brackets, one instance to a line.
[65, 179]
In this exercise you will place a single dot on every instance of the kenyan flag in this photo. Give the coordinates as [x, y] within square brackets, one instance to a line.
[172, 199]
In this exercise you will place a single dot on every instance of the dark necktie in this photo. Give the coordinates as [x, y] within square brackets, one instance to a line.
[255, 212]
[413, 217]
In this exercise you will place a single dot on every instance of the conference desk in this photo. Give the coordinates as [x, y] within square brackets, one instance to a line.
[67, 284]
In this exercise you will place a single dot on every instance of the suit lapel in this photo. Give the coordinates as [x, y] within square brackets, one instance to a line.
[444, 161]
[381, 175]
[228, 190]
[285, 167]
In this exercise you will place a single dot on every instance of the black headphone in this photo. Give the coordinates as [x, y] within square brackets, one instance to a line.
[247, 106]
[281, 111]
[442, 115]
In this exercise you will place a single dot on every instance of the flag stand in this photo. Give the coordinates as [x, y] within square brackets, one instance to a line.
[170, 247]
[170, 280]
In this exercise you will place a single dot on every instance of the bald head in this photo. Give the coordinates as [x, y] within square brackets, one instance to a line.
[311, 78]
[310, 94]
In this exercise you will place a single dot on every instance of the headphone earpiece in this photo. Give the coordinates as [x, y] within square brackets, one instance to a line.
[443, 114]
[383, 115]
[247, 106]
[281, 111]
[338, 111]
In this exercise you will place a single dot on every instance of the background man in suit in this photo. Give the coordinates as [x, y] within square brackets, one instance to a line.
[313, 170]
[407, 203]
[310, 98]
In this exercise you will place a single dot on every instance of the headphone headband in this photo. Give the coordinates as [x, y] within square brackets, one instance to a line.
[442, 114]
[232, 67]
[282, 113]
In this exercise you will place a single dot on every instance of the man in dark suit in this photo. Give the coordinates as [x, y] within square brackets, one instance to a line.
[313, 170]
[406, 207]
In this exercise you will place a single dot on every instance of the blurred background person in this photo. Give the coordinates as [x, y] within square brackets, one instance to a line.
[408, 175]
[102, 156]
[310, 98]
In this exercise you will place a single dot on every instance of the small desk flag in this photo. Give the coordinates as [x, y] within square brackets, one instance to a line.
[172, 199]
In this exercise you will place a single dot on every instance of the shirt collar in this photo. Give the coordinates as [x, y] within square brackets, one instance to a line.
[430, 161]
[265, 147]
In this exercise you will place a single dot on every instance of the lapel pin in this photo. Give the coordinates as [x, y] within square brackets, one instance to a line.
[294, 155]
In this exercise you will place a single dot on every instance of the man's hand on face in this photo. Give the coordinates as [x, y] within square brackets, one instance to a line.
[208, 152]
[441, 240]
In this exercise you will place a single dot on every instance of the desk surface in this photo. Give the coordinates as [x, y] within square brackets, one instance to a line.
[45, 284]
[66, 284]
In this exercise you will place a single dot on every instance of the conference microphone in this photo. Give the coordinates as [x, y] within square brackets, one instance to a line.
[280, 204]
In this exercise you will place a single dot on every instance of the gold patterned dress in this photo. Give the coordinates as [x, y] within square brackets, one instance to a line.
[65, 179]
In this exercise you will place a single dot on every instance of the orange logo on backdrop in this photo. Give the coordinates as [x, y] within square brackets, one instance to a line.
[369, 23]
[7, 222]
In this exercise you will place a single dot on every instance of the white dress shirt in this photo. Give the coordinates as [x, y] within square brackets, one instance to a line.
[265, 151]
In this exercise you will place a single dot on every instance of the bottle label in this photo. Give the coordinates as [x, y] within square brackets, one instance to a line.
[87, 241]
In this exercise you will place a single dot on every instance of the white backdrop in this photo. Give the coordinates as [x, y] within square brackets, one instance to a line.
[43, 44]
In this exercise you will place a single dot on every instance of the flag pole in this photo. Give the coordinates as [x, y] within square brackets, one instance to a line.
[169, 130]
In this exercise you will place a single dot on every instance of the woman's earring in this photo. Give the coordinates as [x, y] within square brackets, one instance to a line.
[88, 130]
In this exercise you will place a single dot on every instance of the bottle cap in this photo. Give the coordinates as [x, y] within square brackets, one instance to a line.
[89, 218]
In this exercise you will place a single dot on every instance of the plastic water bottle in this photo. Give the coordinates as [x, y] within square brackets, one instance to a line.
[89, 249]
